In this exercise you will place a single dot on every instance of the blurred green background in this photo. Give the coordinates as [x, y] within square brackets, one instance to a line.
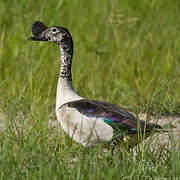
[127, 52]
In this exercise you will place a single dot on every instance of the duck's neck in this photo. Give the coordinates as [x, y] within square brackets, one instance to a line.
[66, 51]
[65, 91]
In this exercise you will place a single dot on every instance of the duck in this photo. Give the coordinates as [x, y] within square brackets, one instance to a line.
[88, 122]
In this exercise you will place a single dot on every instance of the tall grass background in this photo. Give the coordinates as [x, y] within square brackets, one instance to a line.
[125, 52]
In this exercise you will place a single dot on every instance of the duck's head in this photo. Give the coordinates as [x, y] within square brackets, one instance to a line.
[59, 35]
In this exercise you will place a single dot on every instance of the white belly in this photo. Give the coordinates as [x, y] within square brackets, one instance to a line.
[85, 130]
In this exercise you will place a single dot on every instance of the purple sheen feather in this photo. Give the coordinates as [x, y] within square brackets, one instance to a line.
[114, 119]
[90, 110]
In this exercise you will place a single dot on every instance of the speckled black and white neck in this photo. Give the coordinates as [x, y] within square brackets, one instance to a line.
[66, 51]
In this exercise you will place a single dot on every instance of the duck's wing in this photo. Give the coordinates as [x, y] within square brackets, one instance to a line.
[118, 118]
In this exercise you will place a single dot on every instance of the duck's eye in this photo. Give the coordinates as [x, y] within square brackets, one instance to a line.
[54, 30]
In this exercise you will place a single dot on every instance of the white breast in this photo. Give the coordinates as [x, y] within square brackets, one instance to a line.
[65, 93]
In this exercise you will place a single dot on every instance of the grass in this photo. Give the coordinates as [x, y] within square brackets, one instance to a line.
[126, 52]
